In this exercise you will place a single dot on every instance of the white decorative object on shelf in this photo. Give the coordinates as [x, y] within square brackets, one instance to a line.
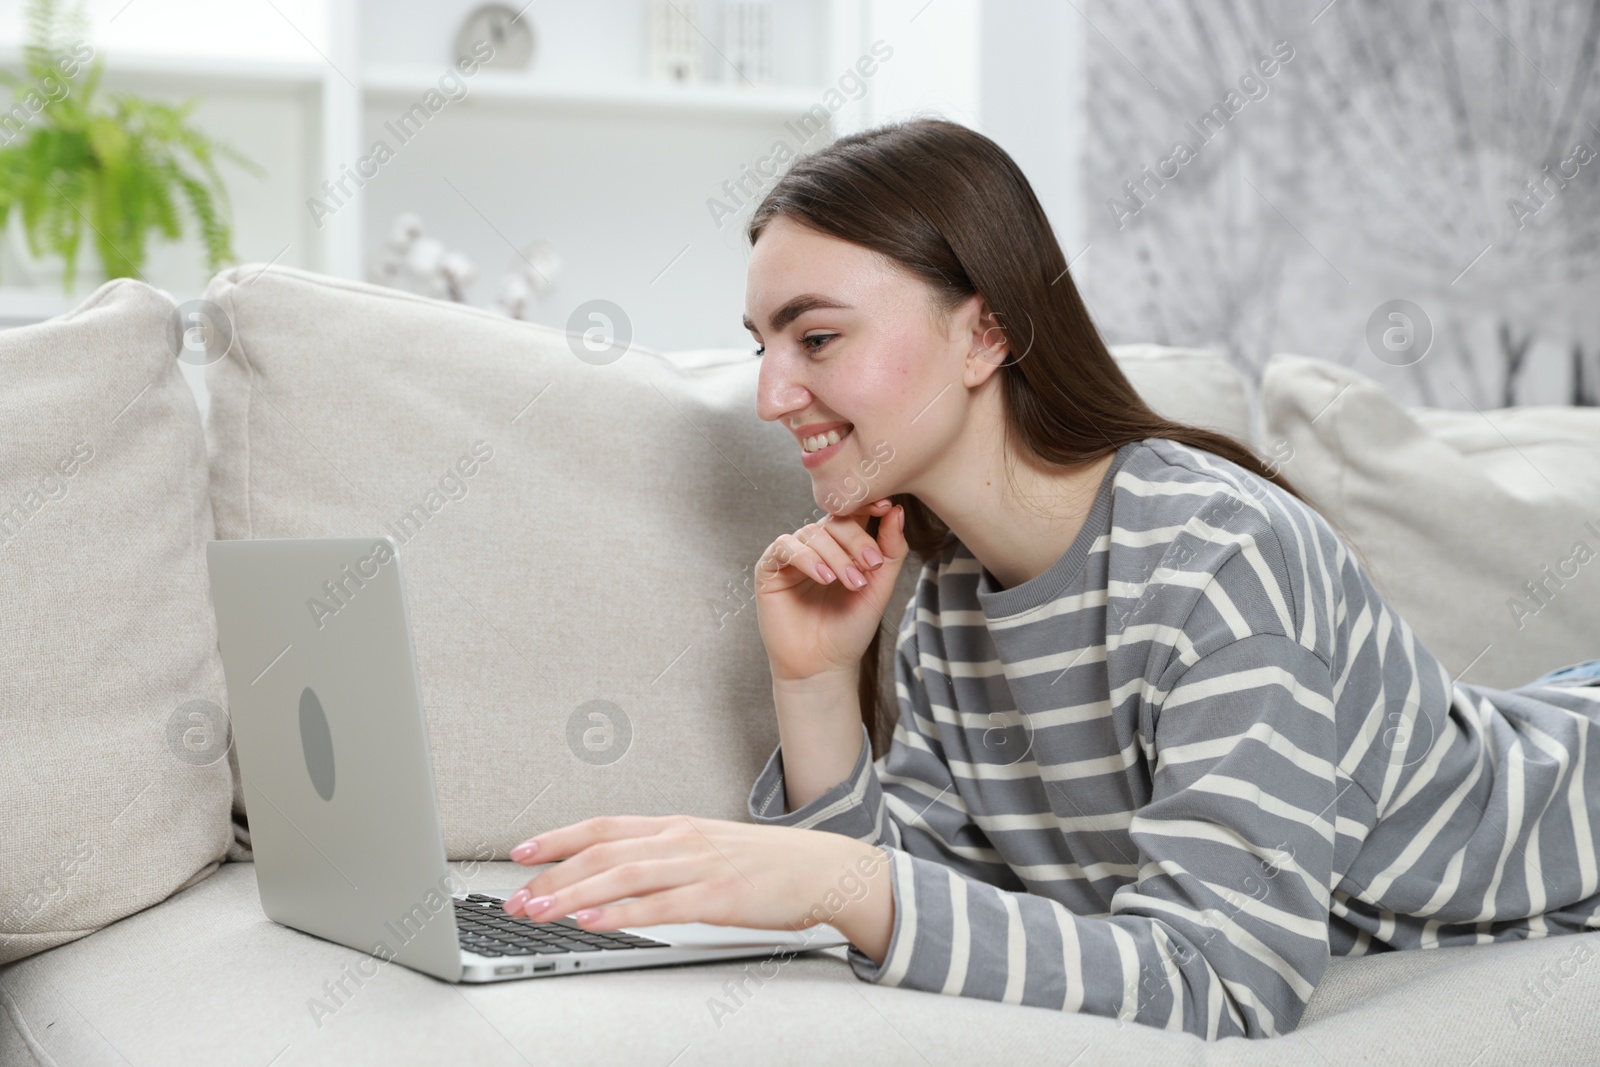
[423, 265]
[672, 43]
[507, 31]
[746, 30]
[528, 277]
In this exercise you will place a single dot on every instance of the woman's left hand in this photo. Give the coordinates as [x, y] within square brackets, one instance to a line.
[681, 868]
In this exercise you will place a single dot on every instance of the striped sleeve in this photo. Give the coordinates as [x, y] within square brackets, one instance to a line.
[910, 803]
[1225, 930]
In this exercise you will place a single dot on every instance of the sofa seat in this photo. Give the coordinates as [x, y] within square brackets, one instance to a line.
[234, 987]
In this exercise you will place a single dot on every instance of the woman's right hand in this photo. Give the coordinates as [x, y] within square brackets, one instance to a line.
[814, 620]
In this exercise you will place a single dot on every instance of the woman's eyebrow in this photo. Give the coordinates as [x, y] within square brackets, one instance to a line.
[795, 308]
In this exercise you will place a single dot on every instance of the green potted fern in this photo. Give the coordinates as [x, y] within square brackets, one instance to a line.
[103, 171]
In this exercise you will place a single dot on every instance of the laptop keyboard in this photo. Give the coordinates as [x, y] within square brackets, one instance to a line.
[487, 930]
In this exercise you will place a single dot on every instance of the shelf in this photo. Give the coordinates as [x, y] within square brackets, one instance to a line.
[23, 304]
[194, 73]
[411, 81]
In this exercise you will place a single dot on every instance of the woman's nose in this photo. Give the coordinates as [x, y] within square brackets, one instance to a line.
[778, 391]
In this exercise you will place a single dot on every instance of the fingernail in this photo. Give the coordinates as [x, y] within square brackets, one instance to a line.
[827, 574]
[868, 553]
[882, 503]
[587, 915]
[857, 579]
[515, 901]
[524, 851]
[538, 904]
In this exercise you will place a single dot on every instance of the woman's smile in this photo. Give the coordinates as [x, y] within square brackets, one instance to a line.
[816, 448]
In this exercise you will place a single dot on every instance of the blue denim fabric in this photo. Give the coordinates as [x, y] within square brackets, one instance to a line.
[1585, 673]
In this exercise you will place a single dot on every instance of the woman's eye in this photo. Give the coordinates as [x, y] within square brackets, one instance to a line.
[814, 342]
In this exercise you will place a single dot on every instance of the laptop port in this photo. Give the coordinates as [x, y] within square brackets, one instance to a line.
[544, 966]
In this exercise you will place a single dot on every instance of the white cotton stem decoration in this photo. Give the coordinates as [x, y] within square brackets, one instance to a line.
[529, 276]
[421, 264]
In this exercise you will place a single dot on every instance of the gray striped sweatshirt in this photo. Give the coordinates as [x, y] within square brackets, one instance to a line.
[1169, 777]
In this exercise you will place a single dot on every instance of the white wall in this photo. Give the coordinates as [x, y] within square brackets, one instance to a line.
[937, 57]
[1031, 101]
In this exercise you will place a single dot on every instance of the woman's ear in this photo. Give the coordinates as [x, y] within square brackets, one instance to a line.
[989, 342]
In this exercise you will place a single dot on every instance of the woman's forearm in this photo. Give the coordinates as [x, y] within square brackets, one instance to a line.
[819, 729]
[866, 919]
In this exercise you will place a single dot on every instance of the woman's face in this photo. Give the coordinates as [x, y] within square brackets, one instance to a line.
[851, 343]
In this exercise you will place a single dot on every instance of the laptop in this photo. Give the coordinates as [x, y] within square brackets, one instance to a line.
[327, 718]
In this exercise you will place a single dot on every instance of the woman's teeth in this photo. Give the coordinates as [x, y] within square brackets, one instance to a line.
[823, 440]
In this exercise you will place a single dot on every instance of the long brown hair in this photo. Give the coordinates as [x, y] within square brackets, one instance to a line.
[949, 205]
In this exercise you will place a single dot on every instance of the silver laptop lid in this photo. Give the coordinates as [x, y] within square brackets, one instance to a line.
[333, 750]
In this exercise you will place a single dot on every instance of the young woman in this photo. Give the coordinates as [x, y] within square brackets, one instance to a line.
[1162, 749]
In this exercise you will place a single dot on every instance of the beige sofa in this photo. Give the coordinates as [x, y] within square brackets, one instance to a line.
[603, 551]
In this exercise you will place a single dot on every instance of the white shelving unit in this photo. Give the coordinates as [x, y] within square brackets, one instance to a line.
[603, 91]
[336, 92]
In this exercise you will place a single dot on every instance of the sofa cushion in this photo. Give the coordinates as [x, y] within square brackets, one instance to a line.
[1460, 516]
[1190, 385]
[235, 987]
[581, 601]
[114, 777]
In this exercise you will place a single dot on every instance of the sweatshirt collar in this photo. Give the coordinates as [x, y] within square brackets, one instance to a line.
[1000, 603]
